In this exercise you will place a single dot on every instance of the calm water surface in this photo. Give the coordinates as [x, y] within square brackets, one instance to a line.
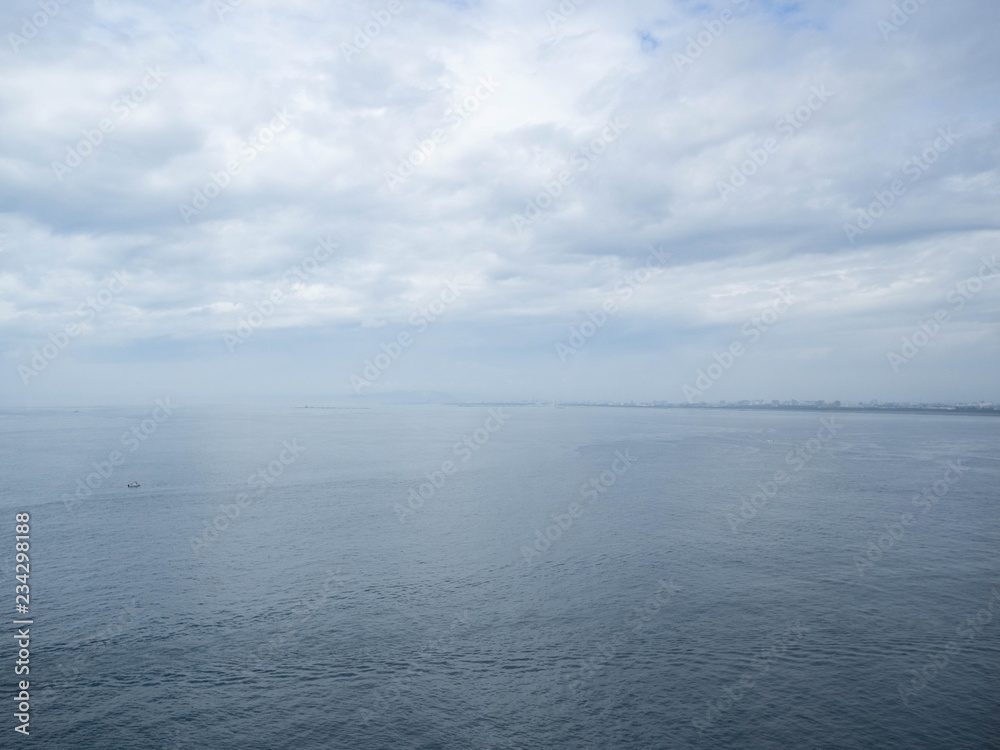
[579, 578]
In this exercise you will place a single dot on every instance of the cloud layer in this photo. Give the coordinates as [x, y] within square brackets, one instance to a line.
[532, 154]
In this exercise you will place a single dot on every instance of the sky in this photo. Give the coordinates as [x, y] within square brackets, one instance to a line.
[301, 202]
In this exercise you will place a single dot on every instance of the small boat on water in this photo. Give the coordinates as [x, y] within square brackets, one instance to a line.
[134, 484]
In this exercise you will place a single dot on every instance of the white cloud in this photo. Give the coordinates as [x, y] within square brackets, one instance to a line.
[352, 121]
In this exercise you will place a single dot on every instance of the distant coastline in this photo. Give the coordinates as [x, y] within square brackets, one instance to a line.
[990, 410]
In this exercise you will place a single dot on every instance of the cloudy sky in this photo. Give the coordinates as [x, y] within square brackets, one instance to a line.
[547, 201]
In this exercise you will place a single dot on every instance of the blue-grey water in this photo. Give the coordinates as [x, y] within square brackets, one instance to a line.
[327, 610]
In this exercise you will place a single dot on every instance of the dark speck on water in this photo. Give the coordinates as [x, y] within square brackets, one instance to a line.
[686, 606]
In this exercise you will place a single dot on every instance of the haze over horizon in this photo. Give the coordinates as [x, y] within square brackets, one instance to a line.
[577, 228]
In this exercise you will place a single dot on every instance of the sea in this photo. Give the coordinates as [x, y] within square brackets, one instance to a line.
[450, 577]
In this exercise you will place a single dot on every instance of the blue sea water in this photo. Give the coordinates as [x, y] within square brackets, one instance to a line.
[579, 578]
